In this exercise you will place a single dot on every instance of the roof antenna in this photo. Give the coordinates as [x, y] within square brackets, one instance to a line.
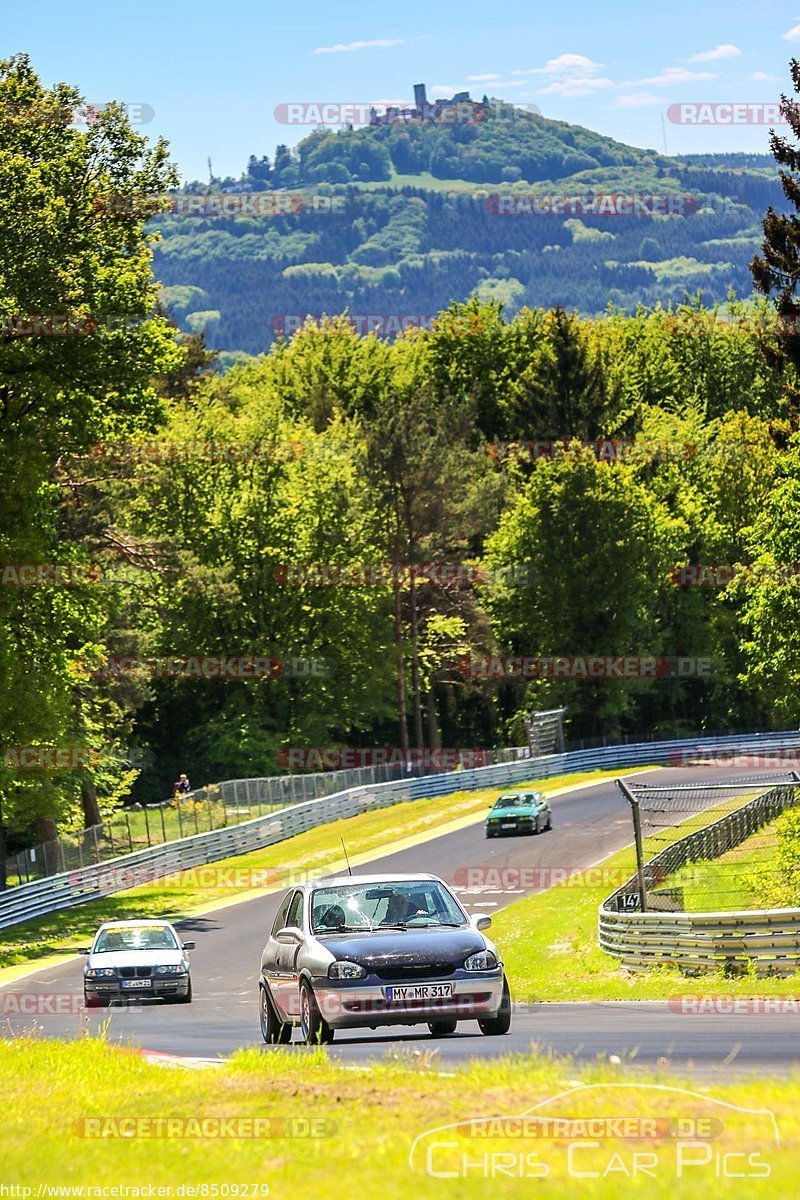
[346, 859]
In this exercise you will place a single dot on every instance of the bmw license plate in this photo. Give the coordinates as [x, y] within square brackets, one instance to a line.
[509, 825]
[418, 991]
[137, 983]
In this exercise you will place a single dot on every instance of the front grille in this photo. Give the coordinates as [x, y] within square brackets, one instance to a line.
[136, 972]
[399, 974]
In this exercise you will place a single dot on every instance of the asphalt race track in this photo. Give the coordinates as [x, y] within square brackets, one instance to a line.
[588, 825]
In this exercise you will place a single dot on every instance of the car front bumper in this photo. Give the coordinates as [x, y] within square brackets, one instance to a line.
[112, 989]
[364, 1003]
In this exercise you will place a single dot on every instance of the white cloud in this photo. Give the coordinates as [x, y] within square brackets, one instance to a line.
[510, 83]
[793, 34]
[638, 100]
[673, 75]
[564, 65]
[482, 78]
[346, 47]
[575, 87]
[445, 89]
[725, 51]
[763, 77]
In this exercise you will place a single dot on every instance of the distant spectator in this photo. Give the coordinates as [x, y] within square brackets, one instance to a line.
[181, 786]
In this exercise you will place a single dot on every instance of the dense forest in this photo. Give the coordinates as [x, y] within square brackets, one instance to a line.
[377, 524]
[400, 221]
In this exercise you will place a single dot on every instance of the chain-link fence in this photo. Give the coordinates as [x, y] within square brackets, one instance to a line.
[715, 847]
[213, 807]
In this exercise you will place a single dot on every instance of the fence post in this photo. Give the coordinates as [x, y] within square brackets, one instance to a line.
[146, 824]
[163, 826]
[637, 833]
[128, 823]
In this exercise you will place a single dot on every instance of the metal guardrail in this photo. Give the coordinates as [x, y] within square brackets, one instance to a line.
[71, 888]
[709, 940]
[226, 803]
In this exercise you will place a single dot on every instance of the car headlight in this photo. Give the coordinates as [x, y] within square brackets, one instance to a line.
[178, 970]
[346, 970]
[96, 972]
[484, 960]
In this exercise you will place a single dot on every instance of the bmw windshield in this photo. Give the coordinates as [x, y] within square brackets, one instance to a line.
[142, 937]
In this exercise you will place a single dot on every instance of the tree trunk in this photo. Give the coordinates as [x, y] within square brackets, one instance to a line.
[3, 852]
[415, 684]
[91, 809]
[47, 833]
[402, 715]
[434, 737]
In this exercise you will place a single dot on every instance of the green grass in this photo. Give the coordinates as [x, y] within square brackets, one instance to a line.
[367, 1121]
[269, 869]
[726, 883]
[549, 941]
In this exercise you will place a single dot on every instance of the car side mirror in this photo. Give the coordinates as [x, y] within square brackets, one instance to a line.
[188, 946]
[290, 935]
[481, 921]
[84, 950]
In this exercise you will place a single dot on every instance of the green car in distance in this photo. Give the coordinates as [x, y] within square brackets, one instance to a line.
[519, 812]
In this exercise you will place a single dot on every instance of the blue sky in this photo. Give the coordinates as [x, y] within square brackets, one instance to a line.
[214, 73]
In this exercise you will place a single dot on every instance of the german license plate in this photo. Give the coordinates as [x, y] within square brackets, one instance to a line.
[509, 825]
[137, 983]
[418, 991]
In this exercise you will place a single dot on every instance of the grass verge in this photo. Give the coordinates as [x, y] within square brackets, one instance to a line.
[190, 892]
[549, 941]
[84, 1114]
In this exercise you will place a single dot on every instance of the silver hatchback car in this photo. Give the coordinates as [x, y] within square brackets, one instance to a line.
[366, 951]
[136, 958]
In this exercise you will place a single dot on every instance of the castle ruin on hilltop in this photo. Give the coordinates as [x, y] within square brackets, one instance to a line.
[461, 109]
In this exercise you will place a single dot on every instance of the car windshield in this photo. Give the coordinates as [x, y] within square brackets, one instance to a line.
[513, 802]
[138, 937]
[352, 908]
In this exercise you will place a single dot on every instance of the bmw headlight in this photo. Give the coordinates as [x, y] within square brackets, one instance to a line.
[484, 960]
[97, 972]
[346, 970]
[177, 970]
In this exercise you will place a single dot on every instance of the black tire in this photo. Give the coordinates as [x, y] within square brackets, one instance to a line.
[187, 999]
[273, 1031]
[496, 1026]
[549, 825]
[315, 1029]
[442, 1028]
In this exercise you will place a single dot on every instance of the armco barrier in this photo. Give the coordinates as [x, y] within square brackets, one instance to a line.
[709, 940]
[90, 883]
